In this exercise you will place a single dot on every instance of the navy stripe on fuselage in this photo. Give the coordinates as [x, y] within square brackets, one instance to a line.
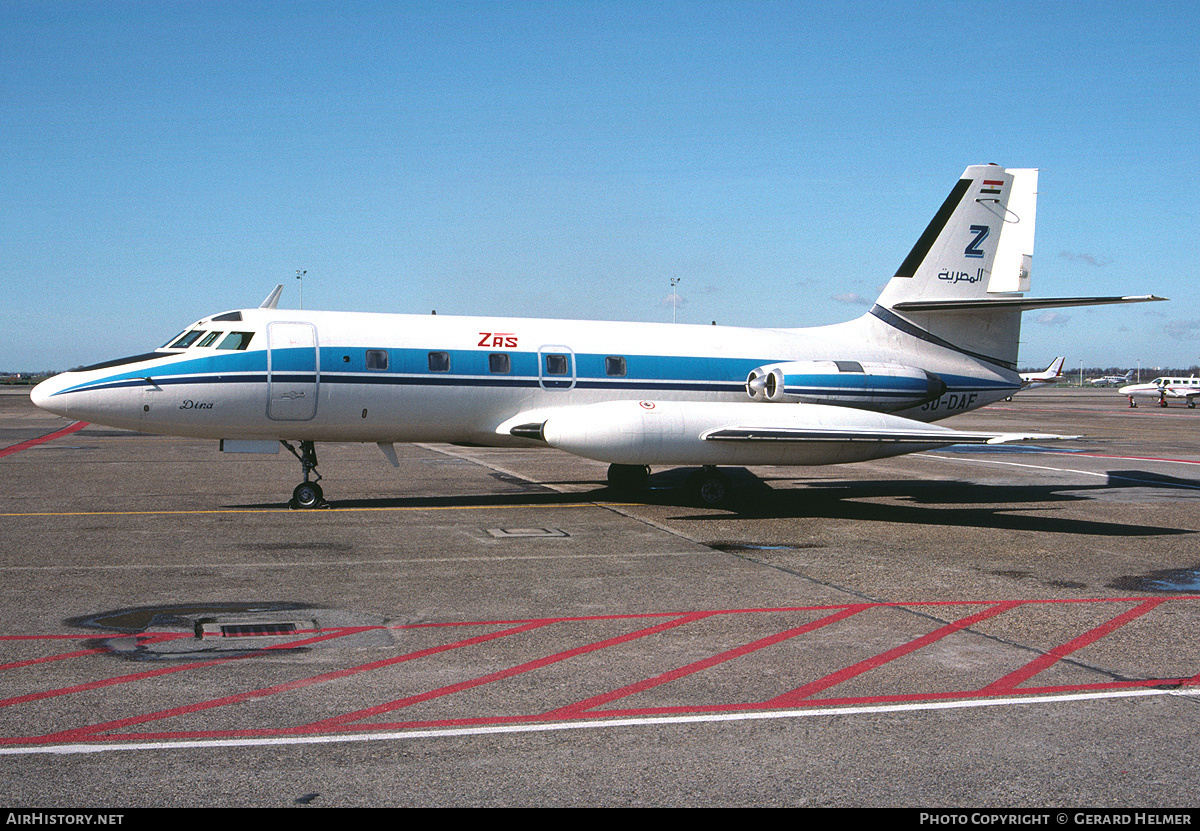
[892, 319]
[662, 374]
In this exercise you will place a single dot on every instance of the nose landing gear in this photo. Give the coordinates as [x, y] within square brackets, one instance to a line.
[308, 494]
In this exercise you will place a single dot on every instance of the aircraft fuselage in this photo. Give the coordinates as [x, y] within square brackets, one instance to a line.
[336, 376]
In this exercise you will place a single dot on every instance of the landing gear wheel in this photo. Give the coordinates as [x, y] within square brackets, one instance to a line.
[628, 478]
[308, 495]
[709, 488]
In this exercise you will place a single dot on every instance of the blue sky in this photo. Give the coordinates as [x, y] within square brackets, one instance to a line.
[166, 160]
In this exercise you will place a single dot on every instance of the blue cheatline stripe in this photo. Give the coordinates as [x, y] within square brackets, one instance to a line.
[410, 367]
[468, 368]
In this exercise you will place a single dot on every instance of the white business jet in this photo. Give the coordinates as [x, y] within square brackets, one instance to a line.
[940, 340]
[1050, 375]
[1111, 380]
[1182, 389]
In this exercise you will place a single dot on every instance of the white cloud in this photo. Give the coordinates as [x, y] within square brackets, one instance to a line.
[851, 299]
[1087, 259]
[1053, 319]
[1184, 329]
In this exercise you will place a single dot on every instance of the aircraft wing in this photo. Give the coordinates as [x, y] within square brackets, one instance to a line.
[716, 433]
[938, 438]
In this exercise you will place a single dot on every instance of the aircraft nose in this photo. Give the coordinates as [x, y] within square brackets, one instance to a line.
[43, 396]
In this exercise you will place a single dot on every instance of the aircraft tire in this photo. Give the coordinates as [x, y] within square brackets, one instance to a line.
[308, 495]
[628, 477]
[709, 488]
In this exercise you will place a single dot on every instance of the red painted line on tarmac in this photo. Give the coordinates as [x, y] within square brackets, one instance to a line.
[1008, 683]
[107, 682]
[792, 698]
[71, 637]
[519, 669]
[590, 708]
[49, 658]
[134, 677]
[57, 434]
[580, 708]
[82, 733]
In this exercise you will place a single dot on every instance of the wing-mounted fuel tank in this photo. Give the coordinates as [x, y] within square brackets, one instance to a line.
[884, 388]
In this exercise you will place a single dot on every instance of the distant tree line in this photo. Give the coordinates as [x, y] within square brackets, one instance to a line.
[1071, 374]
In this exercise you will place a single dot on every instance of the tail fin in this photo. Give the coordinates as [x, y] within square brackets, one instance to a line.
[978, 247]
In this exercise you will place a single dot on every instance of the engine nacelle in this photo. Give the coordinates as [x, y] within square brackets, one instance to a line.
[880, 387]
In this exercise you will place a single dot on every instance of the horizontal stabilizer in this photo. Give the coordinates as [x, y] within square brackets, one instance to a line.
[1020, 303]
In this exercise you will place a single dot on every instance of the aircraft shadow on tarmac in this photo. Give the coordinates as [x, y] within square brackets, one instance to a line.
[942, 502]
[955, 503]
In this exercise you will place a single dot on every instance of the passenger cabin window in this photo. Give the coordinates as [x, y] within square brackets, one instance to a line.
[557, 364]
[439, 361]
[210, 339]
[614, 366]
[236, 340]
[377, 359]
[499, 363]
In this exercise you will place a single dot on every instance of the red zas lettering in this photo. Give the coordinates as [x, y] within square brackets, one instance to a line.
[505, 340]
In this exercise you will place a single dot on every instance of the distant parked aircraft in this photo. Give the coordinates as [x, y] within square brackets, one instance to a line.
[1111, 380]
[1183, 389]
[1050, 375]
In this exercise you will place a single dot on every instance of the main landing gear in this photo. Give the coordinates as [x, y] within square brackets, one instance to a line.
[710, 488]
[308, 494]
[707, 487]
[628, 478]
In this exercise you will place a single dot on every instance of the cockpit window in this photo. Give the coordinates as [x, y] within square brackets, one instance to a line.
[209, 339]
[236, 340]
[187, 340]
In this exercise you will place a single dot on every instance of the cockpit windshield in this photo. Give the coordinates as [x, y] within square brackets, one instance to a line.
[187, 340]
[204, 337]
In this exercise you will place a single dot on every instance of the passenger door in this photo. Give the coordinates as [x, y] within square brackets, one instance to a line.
[293, 371]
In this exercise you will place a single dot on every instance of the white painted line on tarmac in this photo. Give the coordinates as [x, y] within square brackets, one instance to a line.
[1105, 475]
[649, 721]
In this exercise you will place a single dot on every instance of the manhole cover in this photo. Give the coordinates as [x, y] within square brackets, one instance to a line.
[188, 630]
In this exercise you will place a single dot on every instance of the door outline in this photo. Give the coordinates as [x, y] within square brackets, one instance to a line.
[293, 382]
